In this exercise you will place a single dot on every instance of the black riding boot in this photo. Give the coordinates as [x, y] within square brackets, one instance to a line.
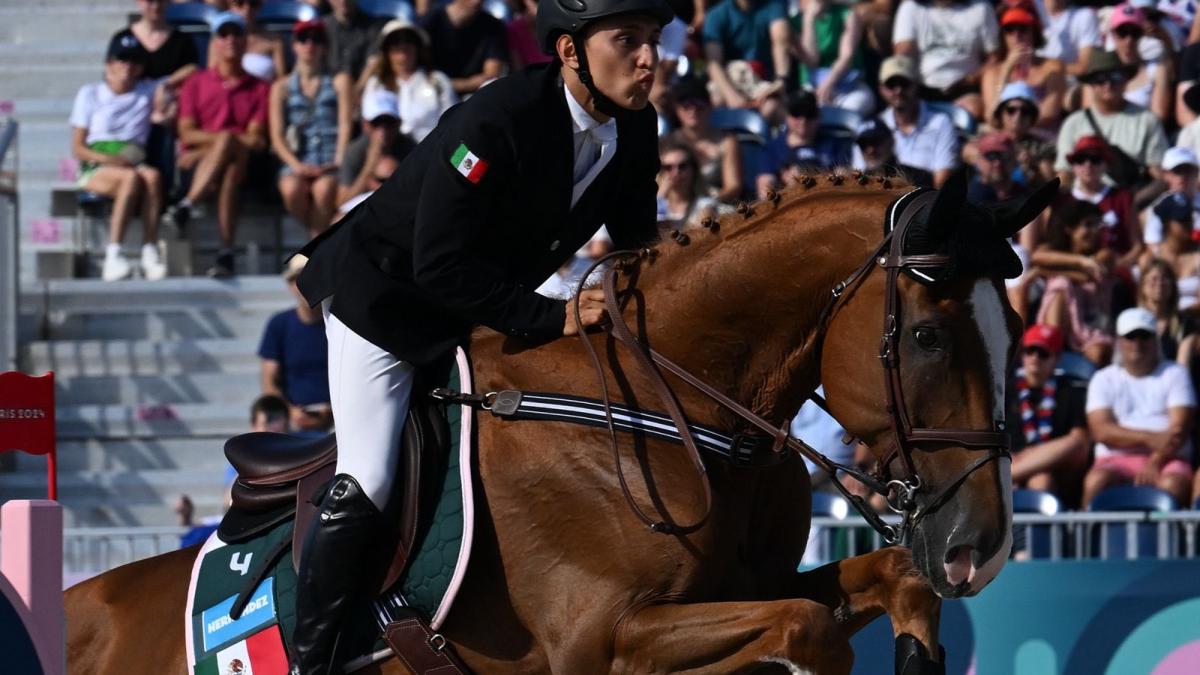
[334, 573]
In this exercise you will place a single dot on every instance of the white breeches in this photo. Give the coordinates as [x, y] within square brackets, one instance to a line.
[369, 390]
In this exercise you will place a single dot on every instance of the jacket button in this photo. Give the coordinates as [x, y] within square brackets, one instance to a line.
[554, 245]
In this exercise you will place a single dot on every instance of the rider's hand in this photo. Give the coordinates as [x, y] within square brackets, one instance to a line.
[591, 311]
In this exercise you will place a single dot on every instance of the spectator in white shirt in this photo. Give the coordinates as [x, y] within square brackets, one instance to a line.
[924, 138]
[110, 123]
[950, 40]
[1071, 34]
[404, 67]
[1140, 414]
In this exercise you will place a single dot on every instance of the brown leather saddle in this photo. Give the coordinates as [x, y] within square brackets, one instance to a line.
[282, 477]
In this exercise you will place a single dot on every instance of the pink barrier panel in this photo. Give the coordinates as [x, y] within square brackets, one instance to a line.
[31, 563]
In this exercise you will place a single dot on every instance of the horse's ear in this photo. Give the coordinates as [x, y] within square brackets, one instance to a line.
[1014, 214]
[947, 208]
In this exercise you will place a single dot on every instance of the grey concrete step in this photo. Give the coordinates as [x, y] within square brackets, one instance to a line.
[78, 422]
[42, 23]
[131, 454]
[115, 358]
[101, 499]
[144, 390]
[180, 323]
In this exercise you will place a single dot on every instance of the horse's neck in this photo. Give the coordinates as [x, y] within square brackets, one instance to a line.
[741, 312]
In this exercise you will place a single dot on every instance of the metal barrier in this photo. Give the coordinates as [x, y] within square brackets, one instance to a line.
[92, 550]
[1074, 535]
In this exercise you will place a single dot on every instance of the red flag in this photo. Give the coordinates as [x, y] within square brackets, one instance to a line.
[27, 418]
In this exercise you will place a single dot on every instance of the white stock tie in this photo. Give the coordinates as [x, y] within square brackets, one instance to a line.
[597, 148]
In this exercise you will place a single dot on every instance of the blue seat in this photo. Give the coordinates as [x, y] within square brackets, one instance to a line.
[93, 204]
[193, 19]
[963, 121]
[281, 16]
[829, 505]
[498, 9]
[754, 159]
[1132, 498]
[741, 121]
[1036, 539]
[387, 9]
[840, 122]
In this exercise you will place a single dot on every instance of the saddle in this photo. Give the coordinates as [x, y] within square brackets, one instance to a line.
[282, 477]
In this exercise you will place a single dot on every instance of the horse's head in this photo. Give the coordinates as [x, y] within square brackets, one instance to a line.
[955, 334]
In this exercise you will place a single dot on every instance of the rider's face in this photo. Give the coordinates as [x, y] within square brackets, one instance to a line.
[622, 55]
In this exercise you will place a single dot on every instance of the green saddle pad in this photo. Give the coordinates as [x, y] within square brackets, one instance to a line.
[223, 571]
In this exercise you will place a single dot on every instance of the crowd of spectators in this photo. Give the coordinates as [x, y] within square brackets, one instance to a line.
[751, 94]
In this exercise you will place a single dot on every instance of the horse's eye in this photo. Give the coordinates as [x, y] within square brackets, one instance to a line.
[926, 337]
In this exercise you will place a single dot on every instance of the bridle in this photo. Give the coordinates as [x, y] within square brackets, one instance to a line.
[900, 491]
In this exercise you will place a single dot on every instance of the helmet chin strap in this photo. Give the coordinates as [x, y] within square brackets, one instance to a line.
[603, 103]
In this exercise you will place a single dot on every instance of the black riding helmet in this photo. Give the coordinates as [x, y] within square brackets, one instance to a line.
[555, 17]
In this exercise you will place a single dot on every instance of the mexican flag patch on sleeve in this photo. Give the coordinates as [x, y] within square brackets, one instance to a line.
[468, 164]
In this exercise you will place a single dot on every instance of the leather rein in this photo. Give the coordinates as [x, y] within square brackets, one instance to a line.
[900, 492]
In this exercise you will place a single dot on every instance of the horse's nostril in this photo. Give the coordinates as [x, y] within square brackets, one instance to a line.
[958, 564]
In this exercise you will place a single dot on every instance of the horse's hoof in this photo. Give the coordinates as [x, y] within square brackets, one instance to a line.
[913, 659]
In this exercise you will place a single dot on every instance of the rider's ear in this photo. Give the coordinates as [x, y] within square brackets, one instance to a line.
[1014, 214]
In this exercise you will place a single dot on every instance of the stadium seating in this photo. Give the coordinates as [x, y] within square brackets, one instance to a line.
[752, 132]
[387, 9]
[1035, 539]
[1112, 541]
[192, 19]
[963, 121]
[839, 122]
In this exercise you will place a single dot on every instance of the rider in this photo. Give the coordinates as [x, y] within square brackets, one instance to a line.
[490, 204]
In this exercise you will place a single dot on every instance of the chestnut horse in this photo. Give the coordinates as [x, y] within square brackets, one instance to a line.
[565, 579]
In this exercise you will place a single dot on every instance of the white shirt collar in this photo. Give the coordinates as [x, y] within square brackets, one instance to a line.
[581, 120]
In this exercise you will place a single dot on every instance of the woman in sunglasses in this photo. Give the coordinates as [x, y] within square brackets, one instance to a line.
[1119, 230]
[1151, 86]
[681, 199]
[404, 66]
[310, 114]
[1016, 61]
[264, 57]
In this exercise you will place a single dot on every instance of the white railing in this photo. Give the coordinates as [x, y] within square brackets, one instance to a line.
[89, 551]
[1074, 535]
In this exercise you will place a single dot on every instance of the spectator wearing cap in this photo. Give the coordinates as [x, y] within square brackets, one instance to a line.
[294, 358]
[950, 40]
[801, 148]
[1017, 61]
[1178, 248]
[468, 44]
[875, 152]
[1119, 231]
[110, 122]
[993, 180]
[404, 68]
[380, 138]
[351, 34]
[264, 57]
[1150, 84]
[924, 138]
[310, 114]
[747, 46]
[1071, 33]
[1140, 414]
[1079, 279]
[171, 57]
[1180, 169]
[827, 36]
[1050, 445]
[1015, 113]
[374, 175]
[681, 198]
[718, 152]
[1123, 126]
[222, 121]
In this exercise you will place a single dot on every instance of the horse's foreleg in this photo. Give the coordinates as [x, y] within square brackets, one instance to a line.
[797, 636]
[859, 589]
